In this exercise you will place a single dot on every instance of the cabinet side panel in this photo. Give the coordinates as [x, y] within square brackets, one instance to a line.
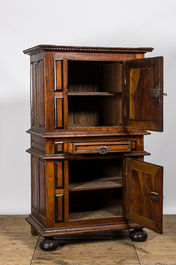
[35, 183]
[41, 95]
[42, 201]
[37, 93]
[33, 94]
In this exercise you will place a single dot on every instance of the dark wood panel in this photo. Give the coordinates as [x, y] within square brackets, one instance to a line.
[41, 94]
[38, 142]
[37, 94]
[34, 106]
[35, 182]
[42, 179]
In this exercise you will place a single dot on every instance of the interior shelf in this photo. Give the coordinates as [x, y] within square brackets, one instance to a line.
[100, 183]
[98, 213]
[94, 94]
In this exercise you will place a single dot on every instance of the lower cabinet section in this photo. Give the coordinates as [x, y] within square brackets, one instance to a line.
[92, 194]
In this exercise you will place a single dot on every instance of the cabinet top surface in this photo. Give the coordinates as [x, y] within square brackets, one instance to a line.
[44, 47]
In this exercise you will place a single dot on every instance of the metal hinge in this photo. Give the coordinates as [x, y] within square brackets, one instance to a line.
[155, 196]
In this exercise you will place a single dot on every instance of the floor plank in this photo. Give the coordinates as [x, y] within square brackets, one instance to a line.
[93, 249]
[159, 249]
[110, 248]
[17, 243]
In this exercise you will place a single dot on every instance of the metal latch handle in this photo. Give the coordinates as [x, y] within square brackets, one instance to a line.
[103, 149]
[155, 196]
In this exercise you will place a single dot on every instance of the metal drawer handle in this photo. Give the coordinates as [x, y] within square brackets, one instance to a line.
[102, 149]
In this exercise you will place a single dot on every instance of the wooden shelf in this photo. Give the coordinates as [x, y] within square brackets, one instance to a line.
[94, 94]
[100, 183]
[102, 212]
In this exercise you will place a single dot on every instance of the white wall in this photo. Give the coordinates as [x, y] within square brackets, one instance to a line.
[124, 23]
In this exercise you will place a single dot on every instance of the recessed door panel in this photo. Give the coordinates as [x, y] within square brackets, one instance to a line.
[144, 194]
[144, 94]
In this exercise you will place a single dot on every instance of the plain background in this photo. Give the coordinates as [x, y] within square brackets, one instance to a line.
[108, 23]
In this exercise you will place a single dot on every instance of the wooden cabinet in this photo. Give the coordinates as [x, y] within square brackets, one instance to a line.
[90, 109]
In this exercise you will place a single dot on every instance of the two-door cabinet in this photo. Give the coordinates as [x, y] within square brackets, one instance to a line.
[90, 109]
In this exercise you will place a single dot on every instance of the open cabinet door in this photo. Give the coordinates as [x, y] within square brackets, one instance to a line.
[144, 94]
[144, 194]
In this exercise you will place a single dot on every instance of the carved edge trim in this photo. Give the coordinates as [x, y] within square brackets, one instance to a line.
[43, 47]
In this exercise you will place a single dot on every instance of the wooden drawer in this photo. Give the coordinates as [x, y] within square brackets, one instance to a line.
[99, 147]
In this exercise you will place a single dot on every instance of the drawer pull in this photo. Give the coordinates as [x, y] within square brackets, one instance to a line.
[102, 149]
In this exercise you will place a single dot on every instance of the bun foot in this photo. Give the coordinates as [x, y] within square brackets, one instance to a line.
[138, 235]
[49, 244]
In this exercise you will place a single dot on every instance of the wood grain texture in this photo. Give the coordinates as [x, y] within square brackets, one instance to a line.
[99, 147]
[108, 248]
[17, 243]
[142, 109]
[142, 178]
[78, 104]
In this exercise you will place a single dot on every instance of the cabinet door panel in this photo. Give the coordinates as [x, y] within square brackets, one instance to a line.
[144, 94]
[144, 194]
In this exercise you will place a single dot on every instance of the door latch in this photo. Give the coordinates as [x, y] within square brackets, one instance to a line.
[155, 92]
[155, 196]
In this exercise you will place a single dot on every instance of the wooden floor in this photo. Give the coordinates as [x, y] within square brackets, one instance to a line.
[18, 246]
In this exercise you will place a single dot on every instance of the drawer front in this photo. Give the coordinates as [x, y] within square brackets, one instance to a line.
[99, 147]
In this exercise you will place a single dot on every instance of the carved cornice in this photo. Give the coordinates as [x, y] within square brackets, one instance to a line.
[43, 47]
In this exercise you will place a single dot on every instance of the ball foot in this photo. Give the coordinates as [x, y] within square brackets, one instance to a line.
[49, 244]
[138, 235]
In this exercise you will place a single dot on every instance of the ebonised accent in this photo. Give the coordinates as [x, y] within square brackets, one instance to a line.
[55, 75]
[56, 208]
[55, 174]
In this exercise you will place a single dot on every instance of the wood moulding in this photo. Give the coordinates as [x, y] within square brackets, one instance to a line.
[42, 47]
[81, 132]
[43, 156]
[71, 230]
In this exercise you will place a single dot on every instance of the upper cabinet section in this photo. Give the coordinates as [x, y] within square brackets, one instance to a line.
[94, 89]
[95, 94]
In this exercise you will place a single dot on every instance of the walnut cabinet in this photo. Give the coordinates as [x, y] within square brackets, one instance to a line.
[90, 109]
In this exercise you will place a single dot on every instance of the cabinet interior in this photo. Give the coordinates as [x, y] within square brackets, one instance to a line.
[94, 93]
[95, 189]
